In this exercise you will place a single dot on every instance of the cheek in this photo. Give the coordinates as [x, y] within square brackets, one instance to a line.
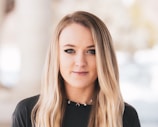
[92, 64]
[63, 70]
[64, 61]
[94, 68]
[65, 64]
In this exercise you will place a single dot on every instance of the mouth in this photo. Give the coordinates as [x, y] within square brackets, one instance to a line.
[80, 72]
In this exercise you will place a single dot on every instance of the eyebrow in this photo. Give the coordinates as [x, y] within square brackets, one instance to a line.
[70, 45]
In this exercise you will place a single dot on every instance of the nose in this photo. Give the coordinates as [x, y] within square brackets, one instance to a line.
[80, 60]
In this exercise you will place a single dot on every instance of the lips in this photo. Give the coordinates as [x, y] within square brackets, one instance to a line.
[80, 72]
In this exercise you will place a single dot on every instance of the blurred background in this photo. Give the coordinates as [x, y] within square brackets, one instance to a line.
[26, 29]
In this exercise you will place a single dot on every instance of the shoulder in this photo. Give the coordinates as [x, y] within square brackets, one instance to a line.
[129, 110]
[130, 116]
[22, 114]
[25, 106]
[27, 103]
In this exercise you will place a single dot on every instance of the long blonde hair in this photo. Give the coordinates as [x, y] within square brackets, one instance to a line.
[108, 107]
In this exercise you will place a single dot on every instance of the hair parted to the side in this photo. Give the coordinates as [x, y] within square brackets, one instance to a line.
[108, 105]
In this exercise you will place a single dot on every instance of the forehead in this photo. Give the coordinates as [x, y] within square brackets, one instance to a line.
[76, 34]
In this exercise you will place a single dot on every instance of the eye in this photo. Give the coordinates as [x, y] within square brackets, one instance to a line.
[91, 51]
[69, 51]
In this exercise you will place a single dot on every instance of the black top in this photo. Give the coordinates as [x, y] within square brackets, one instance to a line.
[75, 115]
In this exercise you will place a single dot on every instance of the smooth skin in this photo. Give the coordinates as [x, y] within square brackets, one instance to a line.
[77, 62]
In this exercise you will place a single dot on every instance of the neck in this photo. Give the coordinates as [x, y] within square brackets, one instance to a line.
[82, 96]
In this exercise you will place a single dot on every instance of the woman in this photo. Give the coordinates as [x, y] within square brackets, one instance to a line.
[80, 86]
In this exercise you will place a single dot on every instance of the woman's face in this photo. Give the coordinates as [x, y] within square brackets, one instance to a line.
[77, 57]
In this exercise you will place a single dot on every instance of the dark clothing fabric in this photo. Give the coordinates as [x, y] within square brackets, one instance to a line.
[75, 116]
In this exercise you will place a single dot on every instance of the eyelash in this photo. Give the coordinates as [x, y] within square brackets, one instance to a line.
[91, 51]
[71, 51]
